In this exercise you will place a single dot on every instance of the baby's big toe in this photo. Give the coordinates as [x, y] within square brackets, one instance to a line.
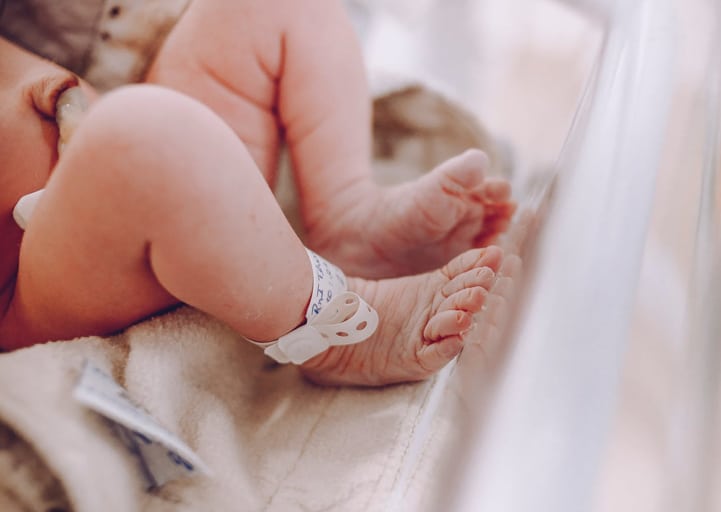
[463, 172]
[496, 190]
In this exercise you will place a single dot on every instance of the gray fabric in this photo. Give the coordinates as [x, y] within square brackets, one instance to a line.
[60, 31]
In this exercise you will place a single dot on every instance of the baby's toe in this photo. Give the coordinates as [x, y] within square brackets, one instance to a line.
[469, 300]
[482, 276]
[446, 324]
[434, 356]
[465, 171]
[504, 209]
[490, 257]
[496, 190]
[491, 232]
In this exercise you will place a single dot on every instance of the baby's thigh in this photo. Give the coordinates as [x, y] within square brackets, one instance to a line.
[236, 43]
[229, 55]
[84, 263]
[78, 276]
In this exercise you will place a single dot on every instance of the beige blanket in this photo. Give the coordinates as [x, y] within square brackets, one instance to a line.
[272, 440]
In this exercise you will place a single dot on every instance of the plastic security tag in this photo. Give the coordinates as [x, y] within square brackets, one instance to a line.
[162, 455]
[346, 320]
[334, 317]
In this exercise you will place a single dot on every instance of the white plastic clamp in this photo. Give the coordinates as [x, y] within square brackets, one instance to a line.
[25, 207]
[334, 317]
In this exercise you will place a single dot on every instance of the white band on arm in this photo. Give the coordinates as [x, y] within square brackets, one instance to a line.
[334, 317]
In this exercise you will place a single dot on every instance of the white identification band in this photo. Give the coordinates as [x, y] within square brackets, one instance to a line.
[334, 317]
[328, 282]
[25, 207]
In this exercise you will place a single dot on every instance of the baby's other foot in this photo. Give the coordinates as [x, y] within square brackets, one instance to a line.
[417, 226]
[422, 323]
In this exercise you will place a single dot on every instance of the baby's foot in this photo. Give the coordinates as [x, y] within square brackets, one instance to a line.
[422, 322]
[417, 226]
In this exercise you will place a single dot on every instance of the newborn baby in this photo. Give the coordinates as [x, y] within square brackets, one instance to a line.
[159, 199]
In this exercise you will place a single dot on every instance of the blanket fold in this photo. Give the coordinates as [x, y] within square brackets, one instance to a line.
[272, 440]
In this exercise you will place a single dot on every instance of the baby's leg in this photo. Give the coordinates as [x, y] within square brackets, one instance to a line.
[155, 201]
[252, 59]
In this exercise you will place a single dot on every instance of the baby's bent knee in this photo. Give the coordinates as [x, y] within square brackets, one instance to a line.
[153, 135]
[150, 114]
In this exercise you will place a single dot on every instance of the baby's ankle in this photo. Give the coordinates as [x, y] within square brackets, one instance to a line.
[344, 214]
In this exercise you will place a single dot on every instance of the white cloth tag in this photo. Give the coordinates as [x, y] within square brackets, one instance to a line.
[328, 282]
[162, 455]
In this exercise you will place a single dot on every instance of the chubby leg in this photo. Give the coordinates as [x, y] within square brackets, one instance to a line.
[155, 201]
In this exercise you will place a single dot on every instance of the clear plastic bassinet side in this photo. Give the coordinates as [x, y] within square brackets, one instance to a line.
[609, 396]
